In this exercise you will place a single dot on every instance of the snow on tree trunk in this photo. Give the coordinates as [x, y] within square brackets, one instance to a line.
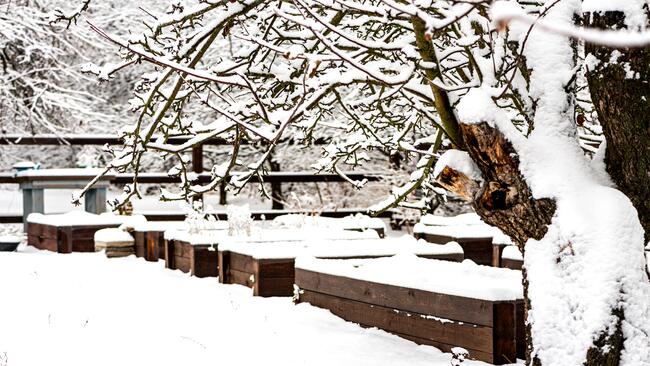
[586, 287]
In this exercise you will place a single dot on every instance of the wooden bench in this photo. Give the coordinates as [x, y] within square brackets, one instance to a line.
[34, 182]
[69, 232]
[268, 268]
[420, 302]
[474, 236]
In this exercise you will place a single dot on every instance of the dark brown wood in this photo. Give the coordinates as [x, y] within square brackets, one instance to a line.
[391, 308]
[458, 308]
[520, 313]
[497, 252]
[150, 245]
[275, 277]
[198, 260]
[512, 263]
[197, 159]
[477, 249]
[423, 326]
[64, 239]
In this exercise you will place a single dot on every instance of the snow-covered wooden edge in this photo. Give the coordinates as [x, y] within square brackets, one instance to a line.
[349, 222]
[73, 218]
[465, 279]
[512, 252]
[111, 235]
[342, 248]
[458, 231]
[470, 218]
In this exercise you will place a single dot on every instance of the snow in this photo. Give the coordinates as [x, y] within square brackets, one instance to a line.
[512, 252]
[9, 239]
[259, 234]
[458, 231]
[84, 309]
[112, 236]
[460, 161]
[339, 248]
[351, 222]
[465, 279]
[166, 225]
[81, 172]
[462, 219]
[591, 259]
[77, 218]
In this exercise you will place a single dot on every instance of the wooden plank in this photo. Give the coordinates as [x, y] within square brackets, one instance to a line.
[169, 254]
[204, 262]
[182, 263]
[240, 278]
[464, 335]
[240, 262]
[223, 262]
[83, 245]
[139, 238]
[66, 240]
[477, 249]
[505, 341]
[521, 329]
[151, 246]
[473, 354]
[270, 268]
[475, 311]
[511, 263]
[273, 286]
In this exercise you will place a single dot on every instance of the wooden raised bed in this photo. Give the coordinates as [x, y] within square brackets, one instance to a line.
[491, 330]
[199, 260]
[67, 233]
[150, 238]
[476, 240]
[511, 258]
[268, 268]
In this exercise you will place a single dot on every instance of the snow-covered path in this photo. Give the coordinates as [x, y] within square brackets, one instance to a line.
[85, 309]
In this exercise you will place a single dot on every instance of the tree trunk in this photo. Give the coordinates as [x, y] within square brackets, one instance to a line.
[621, 95]
[504, 200]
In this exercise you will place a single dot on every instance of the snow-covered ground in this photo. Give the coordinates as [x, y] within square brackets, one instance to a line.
[85, 309]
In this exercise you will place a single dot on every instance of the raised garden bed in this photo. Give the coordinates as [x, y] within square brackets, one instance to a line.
[269, 267]
[69, 232]
[150, 237]
[436, 303]
[512, 258]
[474, 236]
[197, 253]
[193, 253]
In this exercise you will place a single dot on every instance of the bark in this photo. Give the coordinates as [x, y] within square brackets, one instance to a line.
[504, 200]
[621, 95]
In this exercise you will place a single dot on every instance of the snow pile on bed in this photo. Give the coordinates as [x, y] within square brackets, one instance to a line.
[112, 236]
[352, 222]
[465, 279]
[468, 225]
[344, 248]
[512, 252]
[168, 225]
[78, 218]
[267, 235]
[470, 218]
